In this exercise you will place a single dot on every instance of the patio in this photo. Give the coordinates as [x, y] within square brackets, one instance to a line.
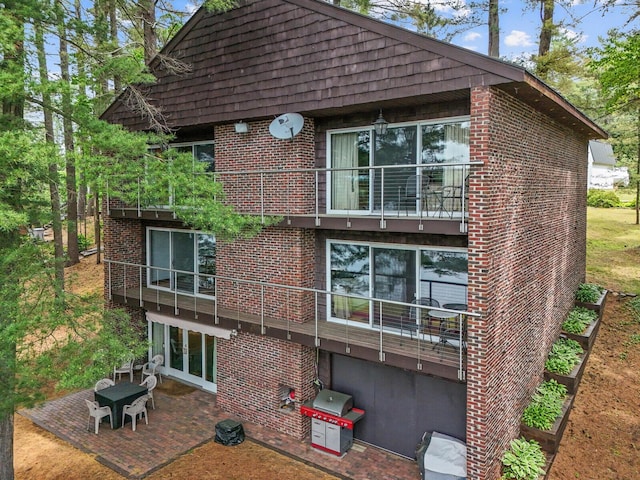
[185, 421]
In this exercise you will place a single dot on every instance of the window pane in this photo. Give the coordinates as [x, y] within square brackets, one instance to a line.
[159, 256]
[443, 276]
[210, 366]
[206, 263]
[204, 153]
[396, 147]
[350, 184]
[350, 275]
[183, 260]
[394, 278]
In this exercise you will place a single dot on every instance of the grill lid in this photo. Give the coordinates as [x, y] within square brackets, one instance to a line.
[334, 403]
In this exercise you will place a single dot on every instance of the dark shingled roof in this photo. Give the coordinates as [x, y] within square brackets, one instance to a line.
[267, 57]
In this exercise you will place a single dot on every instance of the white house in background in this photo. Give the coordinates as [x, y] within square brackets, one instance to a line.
[603, 173]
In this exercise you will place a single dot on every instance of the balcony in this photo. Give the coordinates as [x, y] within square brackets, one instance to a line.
[396, 197]
[407, 335]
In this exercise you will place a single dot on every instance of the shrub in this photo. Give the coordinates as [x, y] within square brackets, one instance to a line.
[545, 405]
[523, 461]
[564, 355]
[578, 320]
[83, 243]
[588, 292]
[602, 199]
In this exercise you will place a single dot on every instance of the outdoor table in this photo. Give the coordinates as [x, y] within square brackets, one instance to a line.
[117, 397]
[444, 319]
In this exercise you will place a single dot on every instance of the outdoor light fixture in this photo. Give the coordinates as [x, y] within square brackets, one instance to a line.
[242, 127]
[380, 125]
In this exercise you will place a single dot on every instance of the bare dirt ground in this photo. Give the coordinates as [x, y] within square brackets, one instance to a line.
[602, 439]
[601, 442]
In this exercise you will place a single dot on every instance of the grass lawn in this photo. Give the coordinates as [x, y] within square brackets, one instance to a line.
[613, 249]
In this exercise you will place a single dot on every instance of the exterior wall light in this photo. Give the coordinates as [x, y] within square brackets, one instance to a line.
[380, 125]
[242, 127]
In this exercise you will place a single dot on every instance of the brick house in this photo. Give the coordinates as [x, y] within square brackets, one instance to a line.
[424, 270]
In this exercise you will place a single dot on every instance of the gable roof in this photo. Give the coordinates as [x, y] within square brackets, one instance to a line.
[267, 57]
[602, 153]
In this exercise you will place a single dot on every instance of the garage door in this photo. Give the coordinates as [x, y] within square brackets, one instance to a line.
[400, 405]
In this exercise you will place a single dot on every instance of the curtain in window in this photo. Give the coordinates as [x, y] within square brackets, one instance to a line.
[344, 183]
[456, 149]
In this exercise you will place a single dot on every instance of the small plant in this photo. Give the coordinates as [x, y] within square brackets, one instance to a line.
[564, 355]
[578, 320]
[545, 405]
[83, 243]
[588, 293]
[523, 461]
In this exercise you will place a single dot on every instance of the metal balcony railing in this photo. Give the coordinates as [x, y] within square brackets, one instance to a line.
[425, 191]
[422, 333]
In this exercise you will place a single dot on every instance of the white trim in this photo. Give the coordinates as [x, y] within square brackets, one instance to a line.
[193, 326]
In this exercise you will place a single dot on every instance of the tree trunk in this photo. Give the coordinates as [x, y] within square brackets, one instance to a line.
[96, 227]
[148, 13]
[547, 30]
[54, 180]
[494, 29]
[73, 252]
[6, 446]
[638, 172]
[113, 34]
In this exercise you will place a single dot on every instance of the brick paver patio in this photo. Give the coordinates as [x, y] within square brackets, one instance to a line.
[181, 423]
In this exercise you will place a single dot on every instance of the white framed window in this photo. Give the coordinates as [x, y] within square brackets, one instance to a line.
[181, 260]
[203, 151]
[399, 273]
[370, 172]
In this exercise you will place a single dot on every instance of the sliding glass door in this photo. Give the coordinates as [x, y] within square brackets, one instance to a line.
[390, 274]
[182, 261]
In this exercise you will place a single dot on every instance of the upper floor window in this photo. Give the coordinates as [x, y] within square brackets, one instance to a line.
[181, 260]
[371, 172]
[393, 273]
[201, 151]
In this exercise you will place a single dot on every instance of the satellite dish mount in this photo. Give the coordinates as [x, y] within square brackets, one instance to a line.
[286, 126]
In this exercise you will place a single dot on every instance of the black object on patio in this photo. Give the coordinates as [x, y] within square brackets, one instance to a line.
[229, 432]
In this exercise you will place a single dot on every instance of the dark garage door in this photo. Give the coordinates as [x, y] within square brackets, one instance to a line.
[400, 405]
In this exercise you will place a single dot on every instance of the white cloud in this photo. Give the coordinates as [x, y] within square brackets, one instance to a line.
[518, 38]
[191, 8]
[573, 35]
[472, 37]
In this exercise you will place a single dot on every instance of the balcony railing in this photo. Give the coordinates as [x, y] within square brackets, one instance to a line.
[433, 339]
[425, 191]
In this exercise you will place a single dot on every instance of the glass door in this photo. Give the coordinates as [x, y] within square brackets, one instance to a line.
[191, 355]
[182, 245]
[394, 278]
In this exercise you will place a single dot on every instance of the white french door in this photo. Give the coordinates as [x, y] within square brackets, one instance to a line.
[189, 355]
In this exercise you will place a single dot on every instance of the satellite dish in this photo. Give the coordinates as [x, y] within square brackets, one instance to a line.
[287, 125]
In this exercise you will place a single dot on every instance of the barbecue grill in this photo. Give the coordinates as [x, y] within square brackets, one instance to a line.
[332, 420]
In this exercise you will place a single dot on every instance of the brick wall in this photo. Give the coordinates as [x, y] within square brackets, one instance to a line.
[123, 242]
[253, 370]
[281, 256]
[527, 231]
[262, 187]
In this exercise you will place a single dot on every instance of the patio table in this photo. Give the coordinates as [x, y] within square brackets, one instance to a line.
[117, 397]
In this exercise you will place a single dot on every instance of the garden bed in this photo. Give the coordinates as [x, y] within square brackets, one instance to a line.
[597, 306]
[549, 440]
[588, 337]
[573, 378]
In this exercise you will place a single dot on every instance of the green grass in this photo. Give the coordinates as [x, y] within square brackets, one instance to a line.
[613, 249]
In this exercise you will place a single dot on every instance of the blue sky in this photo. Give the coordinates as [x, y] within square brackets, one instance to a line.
[519, 25]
